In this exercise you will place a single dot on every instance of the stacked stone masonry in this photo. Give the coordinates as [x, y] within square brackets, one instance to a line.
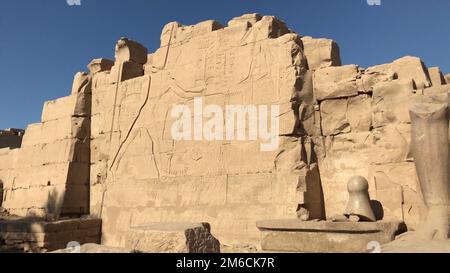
[109, 143]
[34, 235]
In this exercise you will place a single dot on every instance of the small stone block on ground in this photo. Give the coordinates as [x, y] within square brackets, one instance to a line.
[173, 238]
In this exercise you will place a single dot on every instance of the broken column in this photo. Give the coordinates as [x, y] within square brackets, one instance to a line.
[430, 148]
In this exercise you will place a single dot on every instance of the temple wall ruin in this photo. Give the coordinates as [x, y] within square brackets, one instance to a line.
[49, 174]
[111, 139]
[140, 174]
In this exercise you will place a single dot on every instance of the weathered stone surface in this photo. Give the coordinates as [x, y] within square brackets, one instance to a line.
[346, 115]
[396, 189]
[250, 18]
[412, 68]
[37, 235]
[447, 78]
[94, 249]
[321, 53]
[80, 82]
[336, 82]
[110, 142]
[122, 71]
[132, 142]
[322, 237]
[436, 76]
[374, 75]
[173, 238]
[49, 175]
[429, 139]
[410, 243]
[390, 102]
[405, 69]
[175, 33]
[130, 51]
[100, 65]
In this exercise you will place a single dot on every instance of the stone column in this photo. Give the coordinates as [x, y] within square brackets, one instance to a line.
[430, 147]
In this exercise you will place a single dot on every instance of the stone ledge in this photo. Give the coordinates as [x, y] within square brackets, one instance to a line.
[37, 235]
[325, 237]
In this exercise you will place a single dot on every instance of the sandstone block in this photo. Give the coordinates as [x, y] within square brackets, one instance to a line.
[130, 51]
[334, 117]
[391, 144]
[447, 78]
[437, 94]
[77, 105]
[436, 76]
[269, 27]
[321, 237]
[321, 53]
[100, 65]
[255, 190]
[396, 190]
[173, 238]
[250, 18]
[100, 80]
[80, 83]
[175, 33]
[346, 115]
[390, 102]
[412, 68]
[336, 82]
[122, 71]
[36, 235]
[374, 75]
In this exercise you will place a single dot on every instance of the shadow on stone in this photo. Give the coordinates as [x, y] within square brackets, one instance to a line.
[377, 208]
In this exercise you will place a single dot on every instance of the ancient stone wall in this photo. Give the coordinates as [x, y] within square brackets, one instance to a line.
[49, 174]
[366, 131]
[335, 121]
[140, 174]
[28, 235]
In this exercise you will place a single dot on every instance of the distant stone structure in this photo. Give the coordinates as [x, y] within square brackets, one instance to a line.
[107, 150]
[11, 138]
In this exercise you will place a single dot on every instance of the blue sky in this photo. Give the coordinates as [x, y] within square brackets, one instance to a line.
[43, 43]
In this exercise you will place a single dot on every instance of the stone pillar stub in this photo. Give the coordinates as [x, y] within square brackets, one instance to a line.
[430, 148]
